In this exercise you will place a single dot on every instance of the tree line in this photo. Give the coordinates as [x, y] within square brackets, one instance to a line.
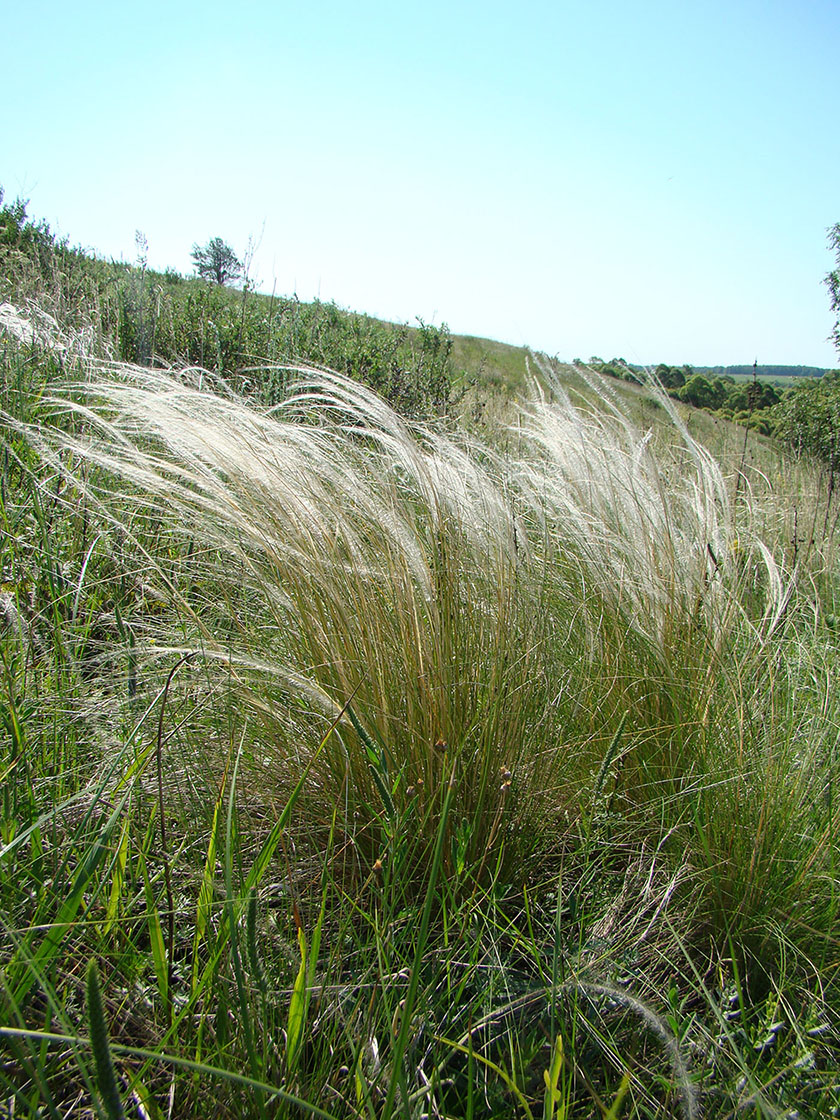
[805, 416]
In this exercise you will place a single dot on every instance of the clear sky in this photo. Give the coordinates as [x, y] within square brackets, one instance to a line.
[650, 180]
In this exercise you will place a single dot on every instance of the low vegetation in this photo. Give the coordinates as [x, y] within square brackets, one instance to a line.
[134, 314]
[359, 762]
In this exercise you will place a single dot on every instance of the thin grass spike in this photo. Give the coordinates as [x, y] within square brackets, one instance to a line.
[106, 1078]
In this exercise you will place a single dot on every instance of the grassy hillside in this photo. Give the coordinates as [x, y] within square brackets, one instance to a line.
[137, 315]
[366, 753]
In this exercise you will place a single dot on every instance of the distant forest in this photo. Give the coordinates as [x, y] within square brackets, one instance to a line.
[730, 391]
[747, 371]
[762, 371]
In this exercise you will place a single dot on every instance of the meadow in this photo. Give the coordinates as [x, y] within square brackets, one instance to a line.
[393, 742]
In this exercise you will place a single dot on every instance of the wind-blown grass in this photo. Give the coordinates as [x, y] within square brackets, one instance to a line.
[502, 609]
[551, 685]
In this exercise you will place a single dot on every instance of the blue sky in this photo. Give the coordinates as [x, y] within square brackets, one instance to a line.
[647, 180]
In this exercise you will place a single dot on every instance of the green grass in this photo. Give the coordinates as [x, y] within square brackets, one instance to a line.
[489, 365]
[388, 768]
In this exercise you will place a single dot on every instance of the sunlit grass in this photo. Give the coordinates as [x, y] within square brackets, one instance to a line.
[440, 749]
